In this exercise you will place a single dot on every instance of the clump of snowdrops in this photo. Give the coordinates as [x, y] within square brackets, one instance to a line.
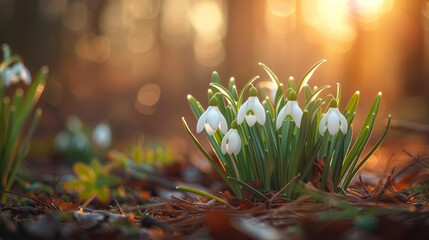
[15, 110]
[275, 140]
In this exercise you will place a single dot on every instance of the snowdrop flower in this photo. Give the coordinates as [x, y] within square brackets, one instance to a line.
[292, 110]
[102, 135]
[252, 110]
[333, 120]
[17, 72]
[231, 143]
[212, 119]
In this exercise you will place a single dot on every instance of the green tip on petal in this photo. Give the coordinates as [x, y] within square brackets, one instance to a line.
[234, 124]
[253, 92]
[291, 78]
[292, 95]
[213, 101]
[333, 103]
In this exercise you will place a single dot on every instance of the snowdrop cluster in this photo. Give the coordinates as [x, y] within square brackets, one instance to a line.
[274, 138]
[253, 111]
[16, 109]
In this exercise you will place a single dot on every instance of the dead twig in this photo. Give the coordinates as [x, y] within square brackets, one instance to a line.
[363, 185]
[26, 196]
[284, 188]
[119, 207]
[89, 200]
[407, 126]
[53, 203]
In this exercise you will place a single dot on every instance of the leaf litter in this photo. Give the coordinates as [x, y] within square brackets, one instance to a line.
[396, 207]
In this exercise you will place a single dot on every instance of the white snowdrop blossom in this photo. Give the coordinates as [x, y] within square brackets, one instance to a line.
[102, 135]
[231, 143]
[212, 119]
[252, 110]
[17, 72]
[333, 120]
[292, 110]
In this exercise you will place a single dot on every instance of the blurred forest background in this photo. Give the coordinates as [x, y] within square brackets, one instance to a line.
[131, 63]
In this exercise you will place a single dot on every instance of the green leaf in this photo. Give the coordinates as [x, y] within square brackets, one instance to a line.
[243, 91]
[227, 95]
[314, 95]
[221, 171]
[233, 88]
[307, 92]
[215, 77]
[195, 106]
[273, 76]
[308, 75]
[351, 107]
[74, 184]
[338, 94]
[194, 139]
[201, 193]
[103, 193]
[33, 95]
[108, 180]
[83, 171]
[377, 145]
[9, 61]
[24, 148]
[374, 110]
[250, 189]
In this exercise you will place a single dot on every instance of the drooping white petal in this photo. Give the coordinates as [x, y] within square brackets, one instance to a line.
[297, 114]
[213, 117]
[259, 111]
[222, 122]
[289, 109]
[201, 122]
[242, 113]
[209, 129]
[322, 124]
[224, 142]
[343, 122]
[282, 115]
[251, 120]
[234, 142]
[333, 123]
[237, 150]
[7, 77]
[25, 75]
[231, 142]
[252, 110]
[292, 110]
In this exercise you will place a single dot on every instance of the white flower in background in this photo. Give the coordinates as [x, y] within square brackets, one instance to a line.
[102, 135]
[17, 72]
[212, 119]
[292, 110]
[231, 143]
[333, 120]
[270, 89]
[252, 110]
